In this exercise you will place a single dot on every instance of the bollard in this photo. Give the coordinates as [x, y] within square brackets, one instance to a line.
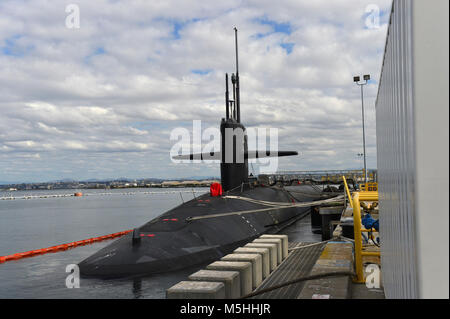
[256, 261]
[272, 252]
[230, 279]
[245, 272]
[196, 290]
[264, 252]
[272, 241]
[284, 240]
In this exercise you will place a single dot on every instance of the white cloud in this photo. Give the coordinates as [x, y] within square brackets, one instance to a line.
[110, 91]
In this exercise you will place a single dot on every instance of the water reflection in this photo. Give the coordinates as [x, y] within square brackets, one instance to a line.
[137, 288]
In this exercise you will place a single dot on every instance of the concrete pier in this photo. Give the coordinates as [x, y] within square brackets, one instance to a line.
[273, 252]
[285, 243]
[244, 269]
[336, 256]
[264, 252]
[298, 264]
[272, 241]
[196, 290]
[256, 261]
[241, 273]
[230, 279]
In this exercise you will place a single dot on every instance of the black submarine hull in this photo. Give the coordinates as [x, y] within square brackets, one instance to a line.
[170, 242]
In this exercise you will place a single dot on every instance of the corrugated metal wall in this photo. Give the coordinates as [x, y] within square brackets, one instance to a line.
[412, 151]
[395, 153]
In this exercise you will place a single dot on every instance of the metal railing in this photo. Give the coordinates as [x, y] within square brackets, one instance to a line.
[347, 191]
[355, 203]
[325, 175]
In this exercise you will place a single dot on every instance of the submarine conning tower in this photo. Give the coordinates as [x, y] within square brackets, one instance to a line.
[234, 163]
[234, 149]
[234, 153]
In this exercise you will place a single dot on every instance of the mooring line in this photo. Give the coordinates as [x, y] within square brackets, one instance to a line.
[272, 207]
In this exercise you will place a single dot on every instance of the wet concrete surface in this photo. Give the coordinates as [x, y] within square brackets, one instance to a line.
[360, 291]
[301, 231]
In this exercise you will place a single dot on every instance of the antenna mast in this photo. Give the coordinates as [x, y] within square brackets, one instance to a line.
[238, 100]
[227, 97]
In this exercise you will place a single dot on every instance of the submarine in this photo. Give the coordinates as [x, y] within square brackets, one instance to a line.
[206, 228]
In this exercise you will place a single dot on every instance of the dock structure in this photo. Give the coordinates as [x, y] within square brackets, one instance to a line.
[229, 278]
[197, 290]
[298, 264]
[332, 260]
[335, 256]
[271, 267]
[320, 270]
[319, 176]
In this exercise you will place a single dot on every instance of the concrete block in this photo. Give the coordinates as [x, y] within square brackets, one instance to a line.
[230, 279]
[272, 252]
[273, 241]
[285, 242]
[265, 257]
[245, 272]
[196, 290]
[256, 261]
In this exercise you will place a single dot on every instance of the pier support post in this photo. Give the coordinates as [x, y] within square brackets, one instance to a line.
[230, 279]
[265, 257]
[196, 290]
[272, 241]
[245, 272]
[284, 240]
[273, 254]
[256, 261]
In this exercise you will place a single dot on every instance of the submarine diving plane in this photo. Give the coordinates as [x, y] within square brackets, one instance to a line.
[204, 229]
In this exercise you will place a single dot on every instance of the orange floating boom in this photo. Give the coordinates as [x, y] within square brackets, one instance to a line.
[62, 247]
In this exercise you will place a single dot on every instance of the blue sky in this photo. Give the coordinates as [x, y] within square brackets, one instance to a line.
[100, 101]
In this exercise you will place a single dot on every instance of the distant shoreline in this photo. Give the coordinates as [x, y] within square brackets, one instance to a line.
[108, 185]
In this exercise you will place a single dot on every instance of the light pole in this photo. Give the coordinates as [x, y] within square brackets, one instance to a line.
[358, 81]
[360, 156]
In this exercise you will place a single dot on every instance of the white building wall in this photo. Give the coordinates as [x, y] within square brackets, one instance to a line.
[412, 149]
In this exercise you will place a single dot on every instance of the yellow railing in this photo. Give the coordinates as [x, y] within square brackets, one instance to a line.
[355, 203]
[349, 196]
[359, 252]
[369, 187]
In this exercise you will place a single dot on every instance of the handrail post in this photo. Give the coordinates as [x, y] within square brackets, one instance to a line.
[358, 238]
[348, 192]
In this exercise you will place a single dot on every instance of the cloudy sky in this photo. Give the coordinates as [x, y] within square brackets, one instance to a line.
[100, 101]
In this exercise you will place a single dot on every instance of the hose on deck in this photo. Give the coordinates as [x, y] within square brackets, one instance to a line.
[272, 205]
